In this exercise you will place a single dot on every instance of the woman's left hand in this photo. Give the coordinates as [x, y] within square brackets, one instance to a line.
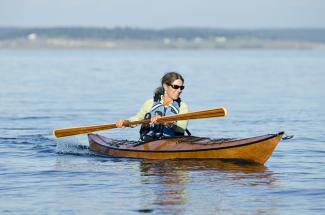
[154, 119]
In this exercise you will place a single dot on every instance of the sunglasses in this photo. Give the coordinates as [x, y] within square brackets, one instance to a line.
[176, 87]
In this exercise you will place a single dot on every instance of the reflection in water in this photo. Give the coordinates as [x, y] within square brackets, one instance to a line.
[176, 186]
[175, 181]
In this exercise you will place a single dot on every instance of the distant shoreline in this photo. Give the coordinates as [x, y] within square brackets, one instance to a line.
[176, 38]
[60, 43]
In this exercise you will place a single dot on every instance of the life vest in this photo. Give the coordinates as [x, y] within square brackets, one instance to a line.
[157, 131]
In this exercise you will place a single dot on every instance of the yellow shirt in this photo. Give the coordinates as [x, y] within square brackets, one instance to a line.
[146, 107]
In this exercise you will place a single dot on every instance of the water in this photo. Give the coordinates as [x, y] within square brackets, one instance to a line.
[264, 91]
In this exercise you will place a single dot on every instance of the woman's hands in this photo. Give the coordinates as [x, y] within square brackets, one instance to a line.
[122, 123]
[154, 119]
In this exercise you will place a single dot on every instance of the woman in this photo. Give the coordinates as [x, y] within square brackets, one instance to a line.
[166, 101]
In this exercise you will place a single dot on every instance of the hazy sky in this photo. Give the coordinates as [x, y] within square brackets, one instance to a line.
[164, 13]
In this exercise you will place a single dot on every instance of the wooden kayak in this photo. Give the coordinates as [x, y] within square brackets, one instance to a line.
[255, 149]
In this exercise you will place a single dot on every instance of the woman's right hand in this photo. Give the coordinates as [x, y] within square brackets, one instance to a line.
[121, 123]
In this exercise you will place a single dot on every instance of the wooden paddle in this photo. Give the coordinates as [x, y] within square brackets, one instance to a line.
[209, 113]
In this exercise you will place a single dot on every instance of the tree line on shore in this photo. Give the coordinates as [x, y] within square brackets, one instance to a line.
[128, 33]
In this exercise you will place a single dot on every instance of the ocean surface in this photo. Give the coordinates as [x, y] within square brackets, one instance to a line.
[264, 92]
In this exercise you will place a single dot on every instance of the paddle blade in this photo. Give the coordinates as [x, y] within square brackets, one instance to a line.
[64, 132]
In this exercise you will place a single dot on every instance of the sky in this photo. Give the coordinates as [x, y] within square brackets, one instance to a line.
[158, 14]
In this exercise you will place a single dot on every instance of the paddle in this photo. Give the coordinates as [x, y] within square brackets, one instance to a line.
[209, 113]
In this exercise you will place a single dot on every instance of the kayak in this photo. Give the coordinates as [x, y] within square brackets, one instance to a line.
[254, 149]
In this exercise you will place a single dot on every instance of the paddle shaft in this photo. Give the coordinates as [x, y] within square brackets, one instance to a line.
[209, 113]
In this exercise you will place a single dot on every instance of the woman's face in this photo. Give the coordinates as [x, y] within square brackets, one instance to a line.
[170, 90]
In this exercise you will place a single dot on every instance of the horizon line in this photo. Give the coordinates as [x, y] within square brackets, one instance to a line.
[163, 28]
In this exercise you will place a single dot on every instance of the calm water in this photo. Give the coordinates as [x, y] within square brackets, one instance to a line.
[264, 91]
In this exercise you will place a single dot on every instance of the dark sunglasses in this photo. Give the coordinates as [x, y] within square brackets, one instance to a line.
[176, 87]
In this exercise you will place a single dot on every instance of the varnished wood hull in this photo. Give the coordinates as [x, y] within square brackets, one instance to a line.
[255, 149]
